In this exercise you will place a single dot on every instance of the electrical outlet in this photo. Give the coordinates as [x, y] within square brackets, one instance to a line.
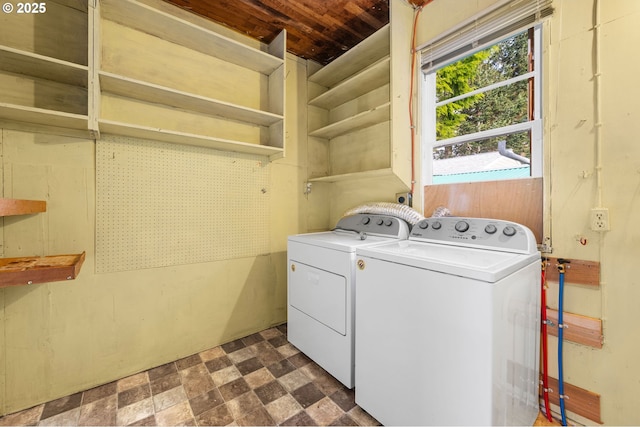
[600, 219]
[404, 199]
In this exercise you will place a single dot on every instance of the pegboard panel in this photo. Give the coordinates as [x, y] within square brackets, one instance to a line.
[161, 204]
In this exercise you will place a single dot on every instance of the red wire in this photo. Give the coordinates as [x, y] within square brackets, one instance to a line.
[545, 371]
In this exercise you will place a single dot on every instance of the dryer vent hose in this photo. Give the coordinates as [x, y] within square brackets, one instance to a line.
[397, 210]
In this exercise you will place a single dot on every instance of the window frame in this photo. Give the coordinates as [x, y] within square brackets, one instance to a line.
[428, 105]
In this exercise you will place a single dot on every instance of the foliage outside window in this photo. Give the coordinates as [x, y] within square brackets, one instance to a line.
[483, 116]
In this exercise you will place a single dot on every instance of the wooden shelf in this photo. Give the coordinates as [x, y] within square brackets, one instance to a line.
[149, 92]
[369, 51]
[21, 207]
[32, 270]
[165, 135]
[351, 124]
[355, 175]
[21, 113]
[264, 64]
[368, 79]
[43, 67]
[136, 14]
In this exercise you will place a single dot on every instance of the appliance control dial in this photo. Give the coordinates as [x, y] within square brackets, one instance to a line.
[436, 225]
[366, 220]
[424, 225]
[462, 226]
[490, 229]
[380, 221]
[509, 231]
[388, 223]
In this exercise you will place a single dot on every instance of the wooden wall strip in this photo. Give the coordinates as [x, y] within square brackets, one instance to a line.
[518, 200]
[580, 401]
[581, 329]
[578, 272]
[21, 207]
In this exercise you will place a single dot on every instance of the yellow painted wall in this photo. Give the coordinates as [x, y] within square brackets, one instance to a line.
[571, 184]
[59, 338]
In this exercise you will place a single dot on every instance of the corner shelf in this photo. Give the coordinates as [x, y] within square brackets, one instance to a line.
[358, 112]
[376, 173]
[32, 270]
[351, 124]
[368, 79]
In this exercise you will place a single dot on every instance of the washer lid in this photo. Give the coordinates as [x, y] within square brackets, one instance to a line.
[345, 241]
[479, 264]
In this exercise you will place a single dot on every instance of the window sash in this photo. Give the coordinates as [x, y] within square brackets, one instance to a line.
[534, 126]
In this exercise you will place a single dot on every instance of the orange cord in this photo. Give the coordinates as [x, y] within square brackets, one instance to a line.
[413, 70]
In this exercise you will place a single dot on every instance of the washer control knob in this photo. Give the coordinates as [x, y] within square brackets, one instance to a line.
[388, 223]
[509, 231]
[490, 229]
[379, 221]
[436, 225]
[366, 220]
[462, 226]
[423, 225]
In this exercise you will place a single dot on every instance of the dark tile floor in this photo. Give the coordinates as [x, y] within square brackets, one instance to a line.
[258, 380]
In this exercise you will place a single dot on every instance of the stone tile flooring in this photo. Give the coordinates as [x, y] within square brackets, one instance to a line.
[258, 380]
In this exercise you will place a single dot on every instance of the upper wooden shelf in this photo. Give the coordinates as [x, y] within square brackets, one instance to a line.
[369, 51]
[43, 67]
[359, 121]
[376, 173]
[149, 92]
[136, 14]
[365, 81]
[21, 207]
[32, 270]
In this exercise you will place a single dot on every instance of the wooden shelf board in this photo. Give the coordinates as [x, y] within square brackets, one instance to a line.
[367, 52]
[32, 270]
[165, 135]
[580, 329]
[149, 92]
[21, 207]
[142, 17]
[577, 272]
[21, 113]
[359, 121]
[44, 67]
[355, 175]
[579, 401]
[368, 79]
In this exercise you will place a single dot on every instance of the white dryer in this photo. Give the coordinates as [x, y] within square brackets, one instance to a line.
[322, 288]
[448, 325]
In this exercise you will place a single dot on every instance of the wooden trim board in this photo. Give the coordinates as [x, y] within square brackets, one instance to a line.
[21, 207]
[579, 401]
[32, 270]
[517, 200]
[580, 329]
[577, 272]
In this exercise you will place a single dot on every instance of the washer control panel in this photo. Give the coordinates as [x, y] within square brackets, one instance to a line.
[476, 232]
[375, 225]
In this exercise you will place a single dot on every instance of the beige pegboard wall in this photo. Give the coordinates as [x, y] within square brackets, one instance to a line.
[161, 204]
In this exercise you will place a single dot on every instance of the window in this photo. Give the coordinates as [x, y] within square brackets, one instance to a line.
[481, 98]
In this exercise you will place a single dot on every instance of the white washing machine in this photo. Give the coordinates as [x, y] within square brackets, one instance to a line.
[321, 288]
[448, 325]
